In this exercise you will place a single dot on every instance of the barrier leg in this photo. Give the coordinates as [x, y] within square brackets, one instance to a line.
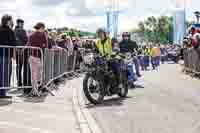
[35, 91]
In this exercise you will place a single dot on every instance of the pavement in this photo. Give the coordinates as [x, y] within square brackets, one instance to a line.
[53, 114]
[165, 101]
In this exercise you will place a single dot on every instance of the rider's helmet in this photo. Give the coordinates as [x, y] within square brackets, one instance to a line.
[101, 30]
[126, 36]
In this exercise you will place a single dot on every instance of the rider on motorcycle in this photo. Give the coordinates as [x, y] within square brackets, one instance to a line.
[104, 48]
[104, 45]
[126, 45]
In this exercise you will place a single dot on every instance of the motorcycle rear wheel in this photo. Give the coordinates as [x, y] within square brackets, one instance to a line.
[88, 89]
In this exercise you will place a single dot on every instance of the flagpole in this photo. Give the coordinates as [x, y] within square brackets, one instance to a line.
[185, 17]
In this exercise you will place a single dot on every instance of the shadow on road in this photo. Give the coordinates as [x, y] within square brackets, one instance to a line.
[138, 87]
[15, 92]
[34, 99]
[147, 70]
[117, 101]
[171, 62]
[5, 102]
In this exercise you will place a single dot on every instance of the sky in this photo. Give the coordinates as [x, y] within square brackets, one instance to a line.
[90, 14]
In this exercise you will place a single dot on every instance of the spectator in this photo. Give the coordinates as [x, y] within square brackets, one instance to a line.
[140, 57]
[146, 54]
[52, 40]
[88, 45]
[69, 45]
[197, 40]
[155, 56]
[185, 52]
[7, 38]
[163, 54]
[62, 42]
[75, 44]
[115, 45]
[39, 40]
[22, 60]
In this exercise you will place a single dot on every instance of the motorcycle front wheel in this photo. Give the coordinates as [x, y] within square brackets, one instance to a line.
[93, 89]
[124, 89]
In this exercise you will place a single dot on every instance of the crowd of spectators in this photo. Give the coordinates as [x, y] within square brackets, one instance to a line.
[39, 37]
[191, 52]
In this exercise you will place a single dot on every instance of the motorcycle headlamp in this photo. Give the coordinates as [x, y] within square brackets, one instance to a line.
[88, 59]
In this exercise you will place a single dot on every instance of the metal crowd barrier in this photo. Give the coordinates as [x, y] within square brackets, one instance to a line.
[58, 62]
[192, 60]
[16, 66]
[29, 68]
[55, 63]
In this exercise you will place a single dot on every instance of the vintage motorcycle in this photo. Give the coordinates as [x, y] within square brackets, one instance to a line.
[102, 80]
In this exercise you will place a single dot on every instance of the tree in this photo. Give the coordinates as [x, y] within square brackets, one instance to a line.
[157, 30]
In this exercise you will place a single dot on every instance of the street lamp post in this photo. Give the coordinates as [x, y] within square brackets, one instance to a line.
[197, 14]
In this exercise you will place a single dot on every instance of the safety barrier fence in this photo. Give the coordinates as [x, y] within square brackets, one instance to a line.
[31, 68]
[192, 60]
[58, 63]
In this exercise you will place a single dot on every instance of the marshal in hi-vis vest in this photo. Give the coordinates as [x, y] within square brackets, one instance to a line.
[146, 51]
[106, 48]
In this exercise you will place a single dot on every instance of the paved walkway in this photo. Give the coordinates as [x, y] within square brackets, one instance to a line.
[50, 115]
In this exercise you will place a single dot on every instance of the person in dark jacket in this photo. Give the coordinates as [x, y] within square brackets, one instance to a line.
[22, 59]
[163, 54]
[7, 38]
[20, 33]
[88, 45]
[127, 45]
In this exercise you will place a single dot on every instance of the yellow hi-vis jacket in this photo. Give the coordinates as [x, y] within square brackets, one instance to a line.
[147, 51]
[106, 48]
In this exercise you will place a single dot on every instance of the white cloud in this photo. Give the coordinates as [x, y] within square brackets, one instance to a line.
[84, 14]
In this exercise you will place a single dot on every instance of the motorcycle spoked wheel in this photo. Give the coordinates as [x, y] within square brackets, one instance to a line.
[124, 90]
[92, 85]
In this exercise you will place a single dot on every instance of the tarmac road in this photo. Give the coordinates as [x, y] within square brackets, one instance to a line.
[166, 102]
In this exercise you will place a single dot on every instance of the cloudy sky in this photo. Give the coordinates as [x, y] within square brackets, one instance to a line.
[86, 14]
